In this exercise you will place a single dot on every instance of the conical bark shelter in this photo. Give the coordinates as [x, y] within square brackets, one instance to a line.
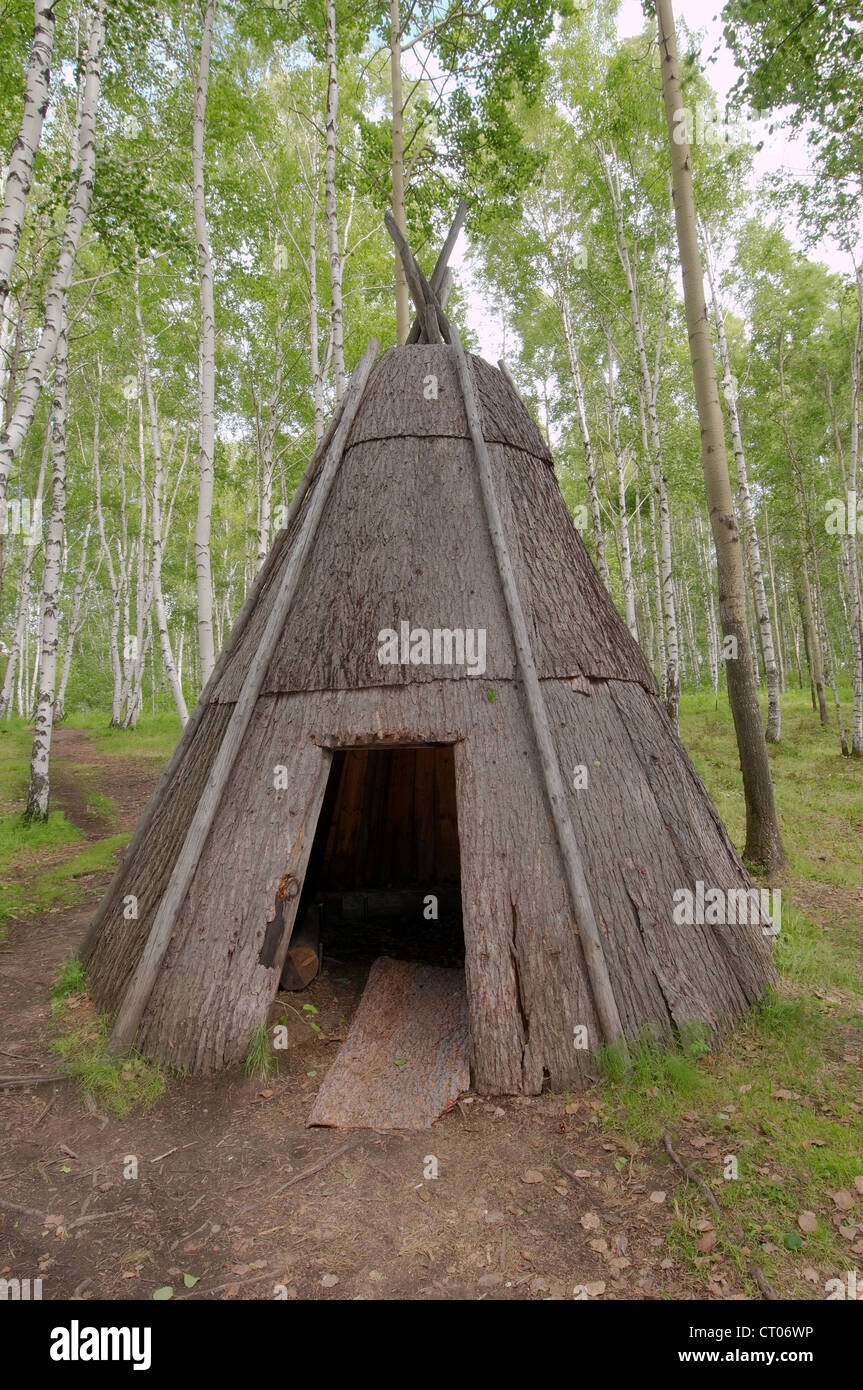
[403, 545]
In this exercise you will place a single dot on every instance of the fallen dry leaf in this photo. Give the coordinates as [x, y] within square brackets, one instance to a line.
[532, 1176]
[590, 1221]
[843, 1199]
[808, 1222]
[658, 1198]
[596, 1288]
[707, 1242]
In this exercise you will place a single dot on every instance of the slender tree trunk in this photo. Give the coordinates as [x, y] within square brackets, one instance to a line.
[19, 632]
[850, 549]
[19, 419]
[620, 461]
[777, 623]
[398, 169]
[115, 582]
[39, 788]
[711, 626]
[763, 841]
[667, 611]
[156, 525]
[750, 530]
[586, 442]
[338, 327]
[73, 626]
[20, 169]
[206, 357]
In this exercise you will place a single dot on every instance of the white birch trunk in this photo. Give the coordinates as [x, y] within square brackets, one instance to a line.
[620, 461]
[338, 328]
[21, 417]
[74, 625]
[586, 442]
[39, 788]
[671, 643]
[22, 605]
[26, 143]
[156, 527]
[398, 169]
[206, 358]
[750, 530]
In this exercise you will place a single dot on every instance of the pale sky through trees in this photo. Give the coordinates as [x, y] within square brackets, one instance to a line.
[780, 151]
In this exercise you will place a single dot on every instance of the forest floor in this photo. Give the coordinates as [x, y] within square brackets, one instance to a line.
[553, 1197]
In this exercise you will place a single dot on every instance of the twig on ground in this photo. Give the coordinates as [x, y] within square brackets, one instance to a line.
[763, 1283]
[32, 1080]
[594, 1196]
[14, 1210]
[306, 1173]
[691, 1174]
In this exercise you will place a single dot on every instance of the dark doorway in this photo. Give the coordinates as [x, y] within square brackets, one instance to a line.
[383, 876]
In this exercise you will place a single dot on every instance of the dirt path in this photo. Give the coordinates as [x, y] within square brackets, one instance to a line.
[221, 1180]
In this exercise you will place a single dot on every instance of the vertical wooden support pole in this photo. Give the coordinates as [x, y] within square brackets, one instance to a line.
[588, 927]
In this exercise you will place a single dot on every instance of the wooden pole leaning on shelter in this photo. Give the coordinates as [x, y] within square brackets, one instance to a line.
[441, 276]
[588, 928]
[429, 308]
[141, 985]
[190, 728]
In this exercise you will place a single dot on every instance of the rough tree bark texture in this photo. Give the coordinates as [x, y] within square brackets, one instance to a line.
[644, 826]
[19, 420]
[206, 357]
[39, 789]
[763, 841]
[26, 142]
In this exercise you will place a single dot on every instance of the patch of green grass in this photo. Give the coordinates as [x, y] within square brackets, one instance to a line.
[261, 1060]
[781, 1093]
[72, 980]
[154, 735]
[60, 884]
[117, 1083]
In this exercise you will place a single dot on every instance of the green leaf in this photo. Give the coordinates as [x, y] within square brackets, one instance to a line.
[309, 1009]
[190, 1280]
[401, 1061]
[164, 1293]
[793, 1241]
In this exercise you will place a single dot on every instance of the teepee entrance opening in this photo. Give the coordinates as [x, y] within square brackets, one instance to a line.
[383, 876]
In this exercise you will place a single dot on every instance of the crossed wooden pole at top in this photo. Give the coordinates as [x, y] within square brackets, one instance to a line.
[431, 324]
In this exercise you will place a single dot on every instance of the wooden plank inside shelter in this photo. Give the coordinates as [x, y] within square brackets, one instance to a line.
[406, 1058]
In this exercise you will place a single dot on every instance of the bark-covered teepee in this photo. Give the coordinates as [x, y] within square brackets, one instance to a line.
[581, 823]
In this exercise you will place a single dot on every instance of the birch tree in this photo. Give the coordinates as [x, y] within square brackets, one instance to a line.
[18, 422]
[753, 546]
[763, 841]
[206, 355]
[38, 792]
[337, 315]
[19, 174]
